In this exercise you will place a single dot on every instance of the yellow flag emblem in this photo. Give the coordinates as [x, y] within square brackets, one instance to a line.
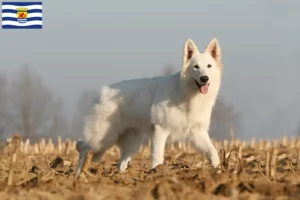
[22, 15]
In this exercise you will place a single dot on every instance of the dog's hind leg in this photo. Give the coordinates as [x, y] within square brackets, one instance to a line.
[129, 143]
[105, 144]
[102, 145]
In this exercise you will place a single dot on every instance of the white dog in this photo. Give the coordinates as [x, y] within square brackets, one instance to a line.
[166, 107]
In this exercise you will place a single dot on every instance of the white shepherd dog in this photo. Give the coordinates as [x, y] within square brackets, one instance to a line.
[166, 107]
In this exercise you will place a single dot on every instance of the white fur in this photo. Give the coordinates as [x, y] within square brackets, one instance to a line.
[165, 107]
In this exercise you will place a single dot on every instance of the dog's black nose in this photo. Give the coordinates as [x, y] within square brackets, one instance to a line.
[204, 79]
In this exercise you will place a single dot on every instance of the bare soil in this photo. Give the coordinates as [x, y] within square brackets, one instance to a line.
[249, 173]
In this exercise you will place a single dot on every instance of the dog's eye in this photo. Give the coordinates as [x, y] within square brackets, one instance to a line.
[196, 67]
[209, 66]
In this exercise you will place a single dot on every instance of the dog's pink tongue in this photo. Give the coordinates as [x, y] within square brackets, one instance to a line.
[204, 89]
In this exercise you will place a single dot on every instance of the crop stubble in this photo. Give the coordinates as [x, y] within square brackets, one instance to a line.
[254, 170]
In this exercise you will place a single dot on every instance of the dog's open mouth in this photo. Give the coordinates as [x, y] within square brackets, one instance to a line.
[203, 88]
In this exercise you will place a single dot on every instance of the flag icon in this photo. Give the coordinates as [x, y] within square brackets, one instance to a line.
[22, 15]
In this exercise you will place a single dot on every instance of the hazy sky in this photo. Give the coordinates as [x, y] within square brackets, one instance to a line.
[91, 44]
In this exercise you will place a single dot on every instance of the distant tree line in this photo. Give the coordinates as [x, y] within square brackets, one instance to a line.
[29, 107]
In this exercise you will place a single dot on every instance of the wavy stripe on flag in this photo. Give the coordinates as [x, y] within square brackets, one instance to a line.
[14, 23]
[12, 7]
[14, 15]
[29, 11]
[22, 27]
[28, 19]
[22, 3]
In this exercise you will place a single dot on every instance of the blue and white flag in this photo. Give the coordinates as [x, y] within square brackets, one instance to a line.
[24, 15]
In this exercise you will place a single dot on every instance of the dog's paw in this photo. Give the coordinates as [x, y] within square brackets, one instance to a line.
[215, 161]
[123, 166]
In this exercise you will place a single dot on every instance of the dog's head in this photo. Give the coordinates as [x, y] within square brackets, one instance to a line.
[201, 71]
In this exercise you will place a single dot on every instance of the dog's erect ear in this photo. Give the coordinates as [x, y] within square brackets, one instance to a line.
[214, 49]
[189, 50]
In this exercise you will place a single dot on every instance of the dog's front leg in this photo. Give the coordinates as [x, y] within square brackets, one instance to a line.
[158, 140]
[201, 141]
